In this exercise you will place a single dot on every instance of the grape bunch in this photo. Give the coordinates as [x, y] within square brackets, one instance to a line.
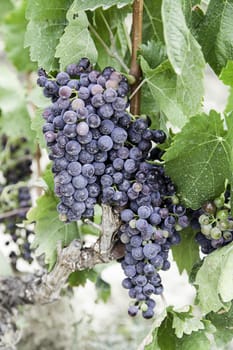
[19, 166]
[149, 228]
[15, 199]
[214, 223]
[84, 125]
[101, 155]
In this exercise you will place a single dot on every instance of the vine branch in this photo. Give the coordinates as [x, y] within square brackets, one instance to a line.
[45, 287]
[14, 212]
[135, 69]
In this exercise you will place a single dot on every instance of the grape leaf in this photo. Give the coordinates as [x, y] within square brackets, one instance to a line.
[215, 33]
[229, 106]
[215, 281]
[223, 322]
[14, 28]
[103, 289]
[192, 12]
[161, 82]
[48, 228]
[37, 125]
[6, 6]
[152, 22]
[186, 323]
[79, 278]
[154, 53]
[76, 42]
[103, 21]
[198, 159]
[84, 5]
[229, 122]
[227, 74]
[165, 338]
[47, 21]
[186, 254]
[15, 119]
[185, 56]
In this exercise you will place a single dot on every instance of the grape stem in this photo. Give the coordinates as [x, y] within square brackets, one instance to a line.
[135, 68]
[14, 212]
[45, 287]
[111, 52]
[93, 224]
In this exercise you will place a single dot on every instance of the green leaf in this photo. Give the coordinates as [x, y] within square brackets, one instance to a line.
[161, 82]
[14, 118]
[103, 289]
[223, 322]
[6, 7]
[186, 254]
[47, 21]
[84, 5]
[103, 22]
[227, 74]
[14, 30]
[215, 281]
[36, 125]
[164, 337]
[215, 33]
[225, 279]
[229, 106]
[186, 323]
[152, 21]
[192, 12]
[76, 42]
[37, 98]
[198, 159]
[48, 228]
[154, 53]
[79, 278]
[48, 178]
[183, 52]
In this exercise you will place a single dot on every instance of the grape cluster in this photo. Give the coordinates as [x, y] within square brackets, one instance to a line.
[214, 223]
[101, 155]
[149, 229]
[19, 167]
[15, 199]
[92, 138]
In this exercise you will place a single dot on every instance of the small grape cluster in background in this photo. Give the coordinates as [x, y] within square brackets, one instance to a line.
[215, 224]
[15, 197]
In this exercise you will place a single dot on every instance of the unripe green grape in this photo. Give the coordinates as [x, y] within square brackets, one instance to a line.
[132, 223]
[219, 201]
[144, 307]
[206, 229]
[230, 223]
[63, 217]
[204, 219]
[222, 214]
[223, 225]
[227, 235]
[165, 234]
[216, 233]
[178, 227]
[175, 199]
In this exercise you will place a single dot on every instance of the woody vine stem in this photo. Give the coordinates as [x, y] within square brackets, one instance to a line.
[135, 69]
